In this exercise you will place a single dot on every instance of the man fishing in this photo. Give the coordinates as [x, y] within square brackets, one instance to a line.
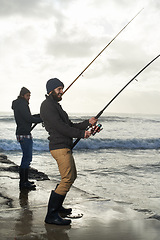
[61, 133]
[24, 121]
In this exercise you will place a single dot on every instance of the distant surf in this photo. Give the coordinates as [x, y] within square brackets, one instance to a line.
[92, 143]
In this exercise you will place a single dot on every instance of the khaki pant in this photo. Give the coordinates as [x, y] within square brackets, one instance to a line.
[67, 169]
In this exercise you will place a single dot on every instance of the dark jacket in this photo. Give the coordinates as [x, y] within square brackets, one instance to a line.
[57, 123]
[23, 116]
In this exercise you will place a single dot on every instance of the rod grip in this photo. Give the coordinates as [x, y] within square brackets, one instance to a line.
[99, 114]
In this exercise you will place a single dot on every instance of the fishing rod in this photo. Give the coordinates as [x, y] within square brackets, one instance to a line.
[98, 127]
[102, 50]
[97, 57]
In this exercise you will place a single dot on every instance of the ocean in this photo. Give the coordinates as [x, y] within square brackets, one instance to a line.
[121, 163]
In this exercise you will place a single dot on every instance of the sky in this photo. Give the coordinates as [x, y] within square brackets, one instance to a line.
[43, 39]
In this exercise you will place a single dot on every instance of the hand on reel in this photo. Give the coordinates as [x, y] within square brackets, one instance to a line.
[96, 129]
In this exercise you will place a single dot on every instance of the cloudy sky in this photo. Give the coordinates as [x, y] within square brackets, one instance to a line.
[41, 39]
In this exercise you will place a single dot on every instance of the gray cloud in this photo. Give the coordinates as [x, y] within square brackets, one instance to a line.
[34, 8]
[156, 4]
[67, 48]
[44, 37]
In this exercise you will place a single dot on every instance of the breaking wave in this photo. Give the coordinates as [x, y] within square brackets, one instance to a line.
[122, 144]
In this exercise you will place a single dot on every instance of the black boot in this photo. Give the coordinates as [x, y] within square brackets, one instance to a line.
[26, 177]
[52, 217]
[23, 184]
[64, 211]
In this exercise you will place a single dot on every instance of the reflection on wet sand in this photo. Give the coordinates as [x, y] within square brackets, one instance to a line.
[23, 224]
[57, 232]
[22, 218]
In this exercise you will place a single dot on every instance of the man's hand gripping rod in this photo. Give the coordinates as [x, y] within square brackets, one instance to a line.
[100, 113]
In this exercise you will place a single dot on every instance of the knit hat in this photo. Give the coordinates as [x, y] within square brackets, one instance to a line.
[52, 84]
[24, 91]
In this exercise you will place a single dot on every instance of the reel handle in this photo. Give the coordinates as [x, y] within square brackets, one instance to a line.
[96, 129]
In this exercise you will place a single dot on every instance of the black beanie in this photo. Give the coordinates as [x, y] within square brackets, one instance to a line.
[52, 84]
[23, 91]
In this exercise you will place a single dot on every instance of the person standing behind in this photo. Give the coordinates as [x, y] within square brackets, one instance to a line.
[61, 133]
[24, 121]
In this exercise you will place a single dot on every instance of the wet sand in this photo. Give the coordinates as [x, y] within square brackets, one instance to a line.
[22, 213]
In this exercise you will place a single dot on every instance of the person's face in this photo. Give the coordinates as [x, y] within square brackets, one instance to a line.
[57, 93]
[27, 96]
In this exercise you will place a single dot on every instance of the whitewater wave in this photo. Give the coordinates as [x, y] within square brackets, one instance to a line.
[119, 144]
[6, 119]
[42, 144]
[13, 145]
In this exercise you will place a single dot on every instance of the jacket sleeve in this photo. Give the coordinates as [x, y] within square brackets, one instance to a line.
[82, 125]
[52, 119]
[37, 117]
[26, 114]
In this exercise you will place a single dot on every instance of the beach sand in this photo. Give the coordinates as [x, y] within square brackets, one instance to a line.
[22, 213]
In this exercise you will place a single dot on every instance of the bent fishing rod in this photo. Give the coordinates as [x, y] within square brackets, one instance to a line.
[96, 57]
[98, 127]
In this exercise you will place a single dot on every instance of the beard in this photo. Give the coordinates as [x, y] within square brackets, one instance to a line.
[57, 97]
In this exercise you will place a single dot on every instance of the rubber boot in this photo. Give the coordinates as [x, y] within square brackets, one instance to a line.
[23, 184]
[64, 211]
[53, 217]
[26, 177]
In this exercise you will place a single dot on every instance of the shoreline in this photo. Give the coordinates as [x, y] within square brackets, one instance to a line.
[22, 213]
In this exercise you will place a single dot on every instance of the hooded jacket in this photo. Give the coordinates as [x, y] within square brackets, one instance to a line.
[57, 123]
[23, 116]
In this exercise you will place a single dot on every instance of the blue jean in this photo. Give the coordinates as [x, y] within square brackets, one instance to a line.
[26, 146]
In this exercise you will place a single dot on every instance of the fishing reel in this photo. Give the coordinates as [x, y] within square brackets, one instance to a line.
[96, 129]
